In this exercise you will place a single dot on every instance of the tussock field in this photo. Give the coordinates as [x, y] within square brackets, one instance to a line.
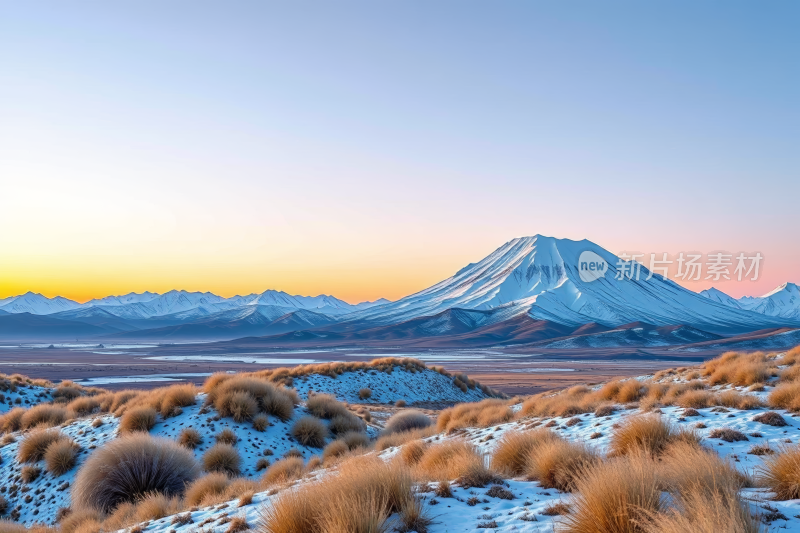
[712, 448]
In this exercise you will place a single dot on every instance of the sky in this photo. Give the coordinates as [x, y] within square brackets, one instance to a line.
[371, 149]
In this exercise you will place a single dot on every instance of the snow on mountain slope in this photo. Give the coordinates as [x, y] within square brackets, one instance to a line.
[782, 302]
[718, 296]
[36, 304]
[637, 334]
[320, 304]
[130, 298]
[540, 276]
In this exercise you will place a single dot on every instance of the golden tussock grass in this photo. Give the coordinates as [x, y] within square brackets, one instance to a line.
[137, 419]
[226, 436]
[35, 444]
[60, 456]
[398, 439]
[740, 368]
[785, 396]
[412, 452]
[334, 451]
[454, 460]
[513, 452]
[12, 420]
[649, 433]
[222, 458]
[407, 421]
[84, 405]
[556, 463]
[357, 499]
[260, 422]
[614, 497]
[129, 468]
[780, 473]
[45, 415]
[190, 438]
[76, 519]
[309, 431]
[481, 414]
[285, 470]
[325, 406]
[210, 485]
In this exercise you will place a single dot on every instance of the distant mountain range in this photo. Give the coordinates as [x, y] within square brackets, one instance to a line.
[527, 292]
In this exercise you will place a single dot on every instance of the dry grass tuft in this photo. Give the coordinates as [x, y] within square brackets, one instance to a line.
[288, 469]
[514, 450]
[365, 393]
[137, 419]
[556, 463]
[771, 418]
[35, 444]
[614, 497]
[129, 468]
[226, 436]
[334, 450]
[456, 459]
[60, 456]
[190, 438]
[780, 473]
[407, 421]
[12, 420]
[237, 524]
[412, 453]
[310, 431]
[648, 433]
[398, 439]
[173, 397]
[260, 422]
[29, 473]
[325, 406]
[742, 369]
[785, 396]
[357, 500]
[727, 434]
[222, 458]
[206, 487]
[482, 414]
[341, 424]
[45, 415]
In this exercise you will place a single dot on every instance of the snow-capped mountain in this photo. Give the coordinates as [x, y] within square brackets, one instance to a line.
[36, 304]
[320, 304]
[130, 298]
[720, 297]
[782, 302]
[540, 276]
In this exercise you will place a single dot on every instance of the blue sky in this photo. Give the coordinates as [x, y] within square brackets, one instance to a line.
[370, 149]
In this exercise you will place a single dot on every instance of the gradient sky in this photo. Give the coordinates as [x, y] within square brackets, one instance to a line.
[370, 149]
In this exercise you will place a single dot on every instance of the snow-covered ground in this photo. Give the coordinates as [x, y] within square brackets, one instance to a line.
[522, 505]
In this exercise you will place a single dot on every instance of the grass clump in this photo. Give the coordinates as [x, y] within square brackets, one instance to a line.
[614, 497]
[556, 463]
[365, 393]
[222, 458]
[61, 456]
[34, 445]
[457, 460]
[287, 469]
[45, 415]
[785, 396]
[226, 436]
[190, 438]
[513, 452]
[129, 468]
[407, 421]
[649, 433]
[780, 473]
[359, 499]
[482, 414]
[206, 487]
[260, 422]
[310, 431]
[137, 419]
